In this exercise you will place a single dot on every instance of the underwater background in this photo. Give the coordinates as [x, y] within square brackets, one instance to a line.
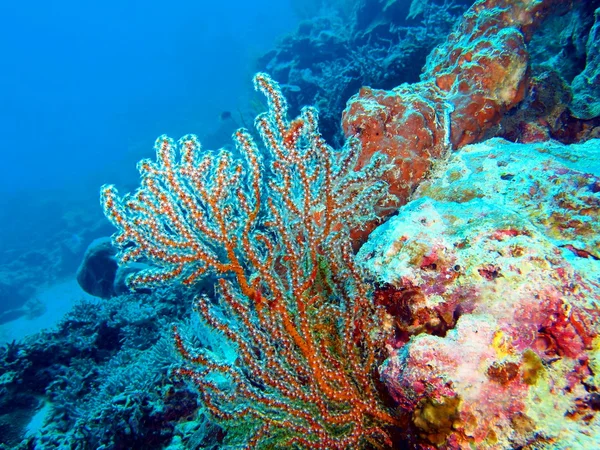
[429, 279]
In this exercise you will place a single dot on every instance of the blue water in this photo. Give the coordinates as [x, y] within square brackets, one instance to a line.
[87, 86]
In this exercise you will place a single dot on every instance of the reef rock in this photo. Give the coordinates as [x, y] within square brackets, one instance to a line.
[586, 85]
[491, 276]
[468, 83]
[96, 273]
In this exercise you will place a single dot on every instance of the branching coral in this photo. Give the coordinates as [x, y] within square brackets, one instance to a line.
[290, 299]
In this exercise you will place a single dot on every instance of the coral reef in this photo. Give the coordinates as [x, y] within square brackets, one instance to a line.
[484, 290]
[100, 379]
[562, 58]
[331, 56]
[30, 259]
[468, 83]
[491, 279]
[586, 85]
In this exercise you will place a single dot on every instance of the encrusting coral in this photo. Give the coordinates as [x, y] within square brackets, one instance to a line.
[490, 275]
[468, 83]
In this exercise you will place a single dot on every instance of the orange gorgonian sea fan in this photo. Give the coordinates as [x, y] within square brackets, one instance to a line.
[275, 232]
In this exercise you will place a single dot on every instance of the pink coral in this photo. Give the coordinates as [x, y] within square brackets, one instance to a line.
[496, 317]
